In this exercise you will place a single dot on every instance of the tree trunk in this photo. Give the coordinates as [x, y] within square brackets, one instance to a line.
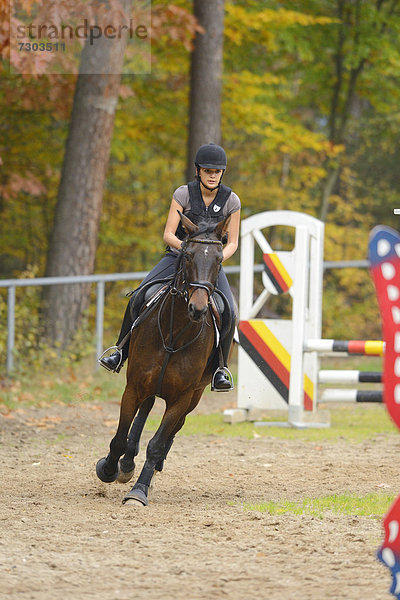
[206, 79]
[76, 223]
[326, 193]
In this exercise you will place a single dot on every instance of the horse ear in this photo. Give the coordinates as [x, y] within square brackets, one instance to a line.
[188, 226]
[222, 227]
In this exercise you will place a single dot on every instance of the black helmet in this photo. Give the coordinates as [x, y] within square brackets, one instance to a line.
[210, 156]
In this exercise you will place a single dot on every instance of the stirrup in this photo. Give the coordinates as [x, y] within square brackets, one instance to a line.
[229, 375]
[105, 352]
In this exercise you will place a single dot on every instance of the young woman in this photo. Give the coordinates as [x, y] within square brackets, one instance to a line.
[204, 198]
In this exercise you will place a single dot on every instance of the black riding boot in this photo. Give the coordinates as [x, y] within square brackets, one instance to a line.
[116, 360]
[222, 379]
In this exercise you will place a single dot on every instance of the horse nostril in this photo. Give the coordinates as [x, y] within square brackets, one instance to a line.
[196, 314]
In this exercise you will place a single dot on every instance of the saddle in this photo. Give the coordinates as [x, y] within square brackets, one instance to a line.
[149, 296]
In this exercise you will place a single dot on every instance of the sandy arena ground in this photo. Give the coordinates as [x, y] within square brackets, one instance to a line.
[65, 535]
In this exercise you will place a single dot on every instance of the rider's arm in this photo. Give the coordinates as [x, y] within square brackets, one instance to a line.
[233, 235]
[171, 225]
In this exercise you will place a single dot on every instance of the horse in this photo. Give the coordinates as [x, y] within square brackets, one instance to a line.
[171, 355]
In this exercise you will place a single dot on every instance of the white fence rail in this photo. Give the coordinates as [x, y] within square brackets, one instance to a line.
[100, 281]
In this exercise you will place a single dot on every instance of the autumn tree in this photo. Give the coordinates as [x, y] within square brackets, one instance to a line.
[73, 244]
[205, 78]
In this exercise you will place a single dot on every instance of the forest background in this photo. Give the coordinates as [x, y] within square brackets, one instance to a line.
[309, 120]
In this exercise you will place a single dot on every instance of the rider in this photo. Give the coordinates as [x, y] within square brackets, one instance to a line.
[204, 198]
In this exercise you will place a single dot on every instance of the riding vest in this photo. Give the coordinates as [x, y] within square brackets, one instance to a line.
[199, 211]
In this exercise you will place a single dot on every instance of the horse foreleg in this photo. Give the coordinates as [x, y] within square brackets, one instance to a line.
[127, 463]
[159, 446]
[193, 403]
[156, 451]
[107, 467]
[160, 465]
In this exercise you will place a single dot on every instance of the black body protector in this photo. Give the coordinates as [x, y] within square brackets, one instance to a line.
[199, 211]
[214, 212]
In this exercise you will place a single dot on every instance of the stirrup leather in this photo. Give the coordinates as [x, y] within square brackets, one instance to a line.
[229, 375]
[105, 352]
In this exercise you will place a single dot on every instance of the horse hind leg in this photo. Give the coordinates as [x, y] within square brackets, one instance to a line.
[127, 462]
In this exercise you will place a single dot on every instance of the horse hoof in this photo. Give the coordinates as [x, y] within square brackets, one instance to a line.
[101, 473]
[134, 502]
[124, 477]
[138, 496]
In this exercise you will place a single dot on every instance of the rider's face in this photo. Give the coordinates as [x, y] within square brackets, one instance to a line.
[210, 177]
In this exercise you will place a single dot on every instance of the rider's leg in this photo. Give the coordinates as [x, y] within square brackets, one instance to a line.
[221, 382]
[164, 269]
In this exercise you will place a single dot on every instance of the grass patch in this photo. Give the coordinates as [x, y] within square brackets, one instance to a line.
[370, 505]
[352, 423]
[358, 363]
[66, 386]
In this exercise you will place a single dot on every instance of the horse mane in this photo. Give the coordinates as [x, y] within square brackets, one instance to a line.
[204, 228]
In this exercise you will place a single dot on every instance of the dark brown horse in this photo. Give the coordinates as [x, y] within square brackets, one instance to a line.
[170, 356]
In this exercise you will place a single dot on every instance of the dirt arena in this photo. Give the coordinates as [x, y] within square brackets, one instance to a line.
[65, 535]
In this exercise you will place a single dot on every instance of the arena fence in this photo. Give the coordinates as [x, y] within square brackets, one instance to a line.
[100, 280]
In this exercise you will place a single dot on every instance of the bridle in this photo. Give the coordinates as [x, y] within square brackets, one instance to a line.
[205, 285]
[180, 287]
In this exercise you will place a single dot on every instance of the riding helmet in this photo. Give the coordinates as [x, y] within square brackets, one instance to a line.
[210, 156]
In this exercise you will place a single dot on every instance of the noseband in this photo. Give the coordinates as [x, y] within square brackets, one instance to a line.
[204, 285]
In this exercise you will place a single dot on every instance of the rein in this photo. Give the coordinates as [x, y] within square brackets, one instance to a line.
[170, 345]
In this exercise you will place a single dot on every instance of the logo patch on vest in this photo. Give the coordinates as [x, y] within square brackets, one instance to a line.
[216, 208]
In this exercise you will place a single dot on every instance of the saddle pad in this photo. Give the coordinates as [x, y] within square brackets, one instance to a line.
[152, 290]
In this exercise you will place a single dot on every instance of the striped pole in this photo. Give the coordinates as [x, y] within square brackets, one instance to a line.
[351, 396]
[336, 376]
[366, 348]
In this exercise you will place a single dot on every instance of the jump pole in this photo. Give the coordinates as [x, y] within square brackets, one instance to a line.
[349, 347]
[340, 395]
[349, 376]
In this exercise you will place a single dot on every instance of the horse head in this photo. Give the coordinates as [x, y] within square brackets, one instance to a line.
[201, 260]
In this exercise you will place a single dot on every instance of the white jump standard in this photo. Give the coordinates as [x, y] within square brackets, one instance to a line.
[278, 365]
